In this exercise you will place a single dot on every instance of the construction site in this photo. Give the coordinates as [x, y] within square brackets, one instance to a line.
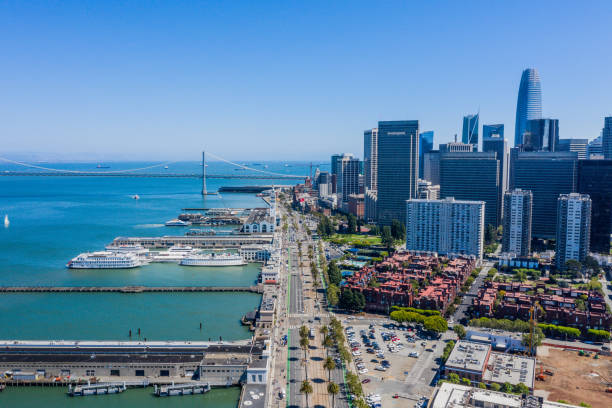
[574, 376]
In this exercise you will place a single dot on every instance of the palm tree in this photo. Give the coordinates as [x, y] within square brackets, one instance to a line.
[324, 330]
[306, 389]
[333, 389]
[304, 331]
[327, 343]
[304, 343]
[329, 365]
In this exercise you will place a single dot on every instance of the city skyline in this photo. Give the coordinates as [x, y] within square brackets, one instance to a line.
[105, 79]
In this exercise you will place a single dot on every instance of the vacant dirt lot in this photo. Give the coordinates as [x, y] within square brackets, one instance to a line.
[576, 379]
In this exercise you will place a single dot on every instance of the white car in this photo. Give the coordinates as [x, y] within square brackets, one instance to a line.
[357, 353]
[363, 371]
[413, 354]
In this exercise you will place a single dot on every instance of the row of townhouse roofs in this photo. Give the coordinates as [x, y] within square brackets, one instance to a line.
[439, 280]
[559, 305]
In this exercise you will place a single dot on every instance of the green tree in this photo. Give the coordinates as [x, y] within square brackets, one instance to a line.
[495, 387]
[459, 331]
[490, 234]
[387, 238]
[521, 389]
[306, 389]
[304, 331]
[335, 276]
[327, 343]
[398, 230]
[453, 378]
[333, 389]
[591, 265]
[507, 388]
[573, 268]
[333, 294]
[466, 381]
[436, 324]
[352, 224]
[482, 385]
[329, 365]
[304, 344]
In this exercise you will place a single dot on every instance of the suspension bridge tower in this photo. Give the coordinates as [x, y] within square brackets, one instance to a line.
[204, 192]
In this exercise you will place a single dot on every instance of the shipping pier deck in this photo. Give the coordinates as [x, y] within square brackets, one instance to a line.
[128, 289]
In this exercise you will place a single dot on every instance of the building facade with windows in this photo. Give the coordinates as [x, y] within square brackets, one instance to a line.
[517, 222]
[573, 228]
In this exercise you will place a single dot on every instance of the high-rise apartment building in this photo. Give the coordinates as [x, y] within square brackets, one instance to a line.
[595, 179]
[347, 177]
[370, 158]
[573, 228]
[606, 138]
[473, 176]
[493, 141]
[470, 130]
[398, 168]
[445, 226]
[428, 191]
[574, 145]
[517, 222]
[425, 146]
[546, 175]
[528, 104]
[595, 148]
[542, 135]
[324, 184]
[431, 167]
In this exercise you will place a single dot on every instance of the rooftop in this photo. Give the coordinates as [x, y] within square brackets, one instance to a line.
[510, 368]
[468, 355]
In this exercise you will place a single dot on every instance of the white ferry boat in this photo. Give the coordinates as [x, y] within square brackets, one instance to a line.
[177, 223]
[174, 254]
[134, 249]
[223, 259]
[105, 260]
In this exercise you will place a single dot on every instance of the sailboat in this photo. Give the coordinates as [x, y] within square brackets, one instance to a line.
[6, 221]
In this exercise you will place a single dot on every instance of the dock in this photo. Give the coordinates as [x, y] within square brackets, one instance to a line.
[128, 289]
[198, 241]
[181, 389]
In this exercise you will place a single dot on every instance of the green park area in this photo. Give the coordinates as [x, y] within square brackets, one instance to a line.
[355, 239]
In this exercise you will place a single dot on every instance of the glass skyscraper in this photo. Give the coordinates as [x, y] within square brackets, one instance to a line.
[470, 130]
[425, 146]
[529, 103]
[606, 138]
[398, 167]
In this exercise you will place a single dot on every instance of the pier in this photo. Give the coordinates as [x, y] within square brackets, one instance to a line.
[128, 289]
[181, 389]
[151, 175]
[196, 241]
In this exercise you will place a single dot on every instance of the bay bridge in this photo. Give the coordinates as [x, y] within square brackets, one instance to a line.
[142, 172]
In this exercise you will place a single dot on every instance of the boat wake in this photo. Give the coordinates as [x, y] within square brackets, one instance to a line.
[142, 226]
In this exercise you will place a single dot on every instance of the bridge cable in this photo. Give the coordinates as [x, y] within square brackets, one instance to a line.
[252, 169]
[80, 171]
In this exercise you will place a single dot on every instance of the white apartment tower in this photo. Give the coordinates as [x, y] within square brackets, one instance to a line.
[573, 228]
[448, 227]
[517, 222]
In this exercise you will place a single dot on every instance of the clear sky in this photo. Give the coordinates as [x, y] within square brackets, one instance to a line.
[289, 79]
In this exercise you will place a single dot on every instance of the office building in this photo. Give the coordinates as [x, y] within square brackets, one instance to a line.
[324, 184]
[428, 191]
[595, 179]
[447, 227]
[347, 168]
[546, 175]
[425, 146]
[370, 201]
[595, 148]
[542, 135]
[517, 222]
[606, 138]
[573, 228]
[493, 141]
[356, 205]
[398, 168]
[470, 130]
[370, 158]
[528, 104]
[431, 167]
[473, 176]
[579, 146]
[456, 147]
[335, 160]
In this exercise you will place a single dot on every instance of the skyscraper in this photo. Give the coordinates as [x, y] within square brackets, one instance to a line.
[573, 228]
[425, 146]
[595, 148]
[398, 168]
[606, 138]
[370, 158]
[517, 222]
[595, 179]
[546, 175]
[493, 141]
[445, 226]
[473, 176]
[456, 147]
[431, 167]
[574, 145]
[529, 103]
[542, 135]
[347, 177]
[470, 130]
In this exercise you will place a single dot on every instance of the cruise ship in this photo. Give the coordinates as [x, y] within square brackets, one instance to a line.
[223, 259]
[174, 254]
[105, 260]
[177, 223]
[134, 249]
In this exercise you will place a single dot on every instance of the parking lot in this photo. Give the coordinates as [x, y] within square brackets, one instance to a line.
[396, 365]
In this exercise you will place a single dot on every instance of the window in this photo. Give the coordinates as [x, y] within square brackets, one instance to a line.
[90, 373]
[139, 373]
[164, 373]
[114, 373]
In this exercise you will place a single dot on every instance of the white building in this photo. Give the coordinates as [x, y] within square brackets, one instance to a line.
[448, 227]
[573, 228]
[426, 190]
[517, 222]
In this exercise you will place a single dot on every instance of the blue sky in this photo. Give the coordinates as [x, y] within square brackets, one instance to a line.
[287, 80]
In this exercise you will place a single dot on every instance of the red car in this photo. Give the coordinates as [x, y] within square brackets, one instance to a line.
[365, 381]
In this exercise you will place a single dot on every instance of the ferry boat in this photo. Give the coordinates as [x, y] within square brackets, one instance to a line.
[177, 223]
[174, 254]
[105, 260]
[223, 259]
[134, 249]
